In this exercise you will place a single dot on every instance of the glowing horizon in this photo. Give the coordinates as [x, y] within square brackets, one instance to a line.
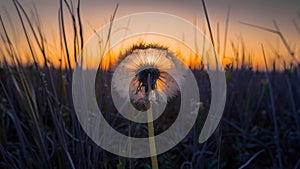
[240, 37]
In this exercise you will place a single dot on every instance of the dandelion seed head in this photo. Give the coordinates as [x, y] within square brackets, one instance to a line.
[146, 70]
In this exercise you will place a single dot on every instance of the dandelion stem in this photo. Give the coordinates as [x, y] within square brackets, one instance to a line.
[151, 131]
[151, 139]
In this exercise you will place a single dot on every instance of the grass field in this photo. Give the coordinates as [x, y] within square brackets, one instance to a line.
[260, 127]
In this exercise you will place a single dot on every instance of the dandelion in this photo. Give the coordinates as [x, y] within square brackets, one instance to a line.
[147, 71]
[150, 76]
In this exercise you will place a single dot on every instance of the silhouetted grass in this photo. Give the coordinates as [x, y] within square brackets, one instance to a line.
[39, 128]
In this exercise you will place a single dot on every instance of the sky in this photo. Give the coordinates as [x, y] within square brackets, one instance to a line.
[96, 13]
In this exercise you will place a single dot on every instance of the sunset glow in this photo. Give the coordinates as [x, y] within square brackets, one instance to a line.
[242, 42]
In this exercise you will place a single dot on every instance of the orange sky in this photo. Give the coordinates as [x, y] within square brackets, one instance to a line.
[97, 13]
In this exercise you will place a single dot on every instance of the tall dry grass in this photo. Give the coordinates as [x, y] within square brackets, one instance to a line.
[39, 128]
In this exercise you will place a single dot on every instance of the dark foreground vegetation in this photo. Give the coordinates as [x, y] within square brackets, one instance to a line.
[260, 126]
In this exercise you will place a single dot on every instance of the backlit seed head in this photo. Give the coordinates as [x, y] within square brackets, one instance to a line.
[148, 70]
